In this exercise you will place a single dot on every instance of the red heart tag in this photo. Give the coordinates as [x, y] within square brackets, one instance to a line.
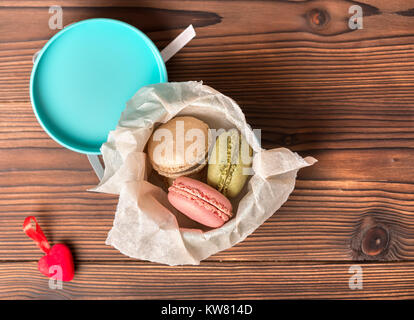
[58, 261]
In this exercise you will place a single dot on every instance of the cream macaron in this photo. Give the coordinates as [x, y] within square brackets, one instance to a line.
[179, 147]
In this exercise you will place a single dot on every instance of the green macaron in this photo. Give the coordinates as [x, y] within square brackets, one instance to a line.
[229, 163]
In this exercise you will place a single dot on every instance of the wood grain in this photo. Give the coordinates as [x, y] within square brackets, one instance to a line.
[317, 223]
[330, 201]
[301, 75]
[268, 61]
[225, 280]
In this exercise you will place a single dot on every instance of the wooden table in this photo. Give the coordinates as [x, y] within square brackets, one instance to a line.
[312, 84]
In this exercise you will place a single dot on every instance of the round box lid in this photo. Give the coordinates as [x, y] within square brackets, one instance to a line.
[85, 74]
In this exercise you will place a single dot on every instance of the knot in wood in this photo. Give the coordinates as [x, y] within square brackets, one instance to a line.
[288, 140]
[318, 18]
[375, 241]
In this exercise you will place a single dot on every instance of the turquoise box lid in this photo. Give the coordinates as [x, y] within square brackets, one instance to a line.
[84, 76]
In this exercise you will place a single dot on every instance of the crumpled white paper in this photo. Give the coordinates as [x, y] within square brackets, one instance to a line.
[146, 226]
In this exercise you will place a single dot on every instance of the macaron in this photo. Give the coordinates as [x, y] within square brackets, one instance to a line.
[229, 162]
[200, 175]
[179, 147]
[200, 202]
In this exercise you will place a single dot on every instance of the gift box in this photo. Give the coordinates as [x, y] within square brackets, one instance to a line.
[146, 226]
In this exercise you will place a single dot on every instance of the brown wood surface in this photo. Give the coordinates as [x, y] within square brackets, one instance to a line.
[301, 75]
[211, 280]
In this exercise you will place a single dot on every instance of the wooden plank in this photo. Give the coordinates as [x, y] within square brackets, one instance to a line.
[345, 139]
[319, 222]
[273, 61]
[294, 16]
[364, 170]
[270, 280]
[396, 5]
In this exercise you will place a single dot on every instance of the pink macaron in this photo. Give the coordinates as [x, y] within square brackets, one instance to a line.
[200, 202]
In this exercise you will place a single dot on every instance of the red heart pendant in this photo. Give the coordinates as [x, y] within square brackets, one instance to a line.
[58, 263]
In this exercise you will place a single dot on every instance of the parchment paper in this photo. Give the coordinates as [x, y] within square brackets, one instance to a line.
[146, 226]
